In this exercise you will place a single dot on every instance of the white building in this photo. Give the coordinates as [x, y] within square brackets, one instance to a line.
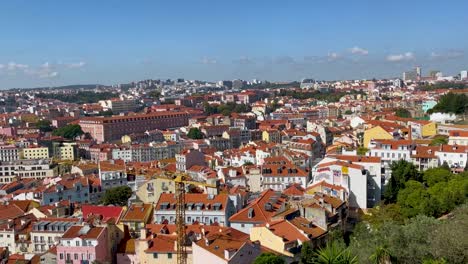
[205, 209]
[455, 156]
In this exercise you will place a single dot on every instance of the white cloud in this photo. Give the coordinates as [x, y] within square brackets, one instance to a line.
[206, 60]
[407, 56]
[13, 66]
[359, 51]
[333, 56]
[451, 54]
[73, 65]
[244, 60]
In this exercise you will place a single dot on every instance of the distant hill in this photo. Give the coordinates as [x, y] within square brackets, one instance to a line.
[65, 87]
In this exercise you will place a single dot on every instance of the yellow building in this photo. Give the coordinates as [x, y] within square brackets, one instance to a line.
[271, 135]
[376, 132]
[67, 151]
[429, 129]
[150, 191]
[35, 153]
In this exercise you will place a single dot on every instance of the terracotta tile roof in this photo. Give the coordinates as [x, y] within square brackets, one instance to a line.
[427, 152]
[10, 211]
[307, 227]
[113, 213]
[255, 212]
[340, 163]
[458, 133]
[294, 190]
[364, 159]
[162, 244]
[286, 230]
[74, 232]
[325, 184]
[286, 170]
[453, 149]
[218, 243]
[167, 201]
[137, 213]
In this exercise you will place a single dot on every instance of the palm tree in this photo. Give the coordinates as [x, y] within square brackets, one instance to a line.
[381, 255]
[333, 254]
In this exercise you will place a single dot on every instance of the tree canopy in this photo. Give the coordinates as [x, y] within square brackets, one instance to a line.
[402, 171]
[44, 125]
[226, 109]
[117, 196]
[439, 140]
[451, 103]
[69, 131]
[80, 97]
[402, 112]
[268, 258]
[195, 133]
[421, 239]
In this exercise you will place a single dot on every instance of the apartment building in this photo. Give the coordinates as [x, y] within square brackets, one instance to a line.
[104, 129]
[35, 153]
[33, 169]
[83, 244]
[47, 232]
[205, 209]
[9, 153]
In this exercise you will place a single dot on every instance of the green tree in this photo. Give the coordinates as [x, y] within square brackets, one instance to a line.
[69, 131]
[402, 112]
[155, 94]
[307, 254]
[402, 171]
[117, 196]
[195, 133]
[435, 175]
[413, 199]
[44, 125]
[348, 112]
[334, 254]
[439, 140]
[381, 255]
[451, 103]
[362, 151]
[268, 258]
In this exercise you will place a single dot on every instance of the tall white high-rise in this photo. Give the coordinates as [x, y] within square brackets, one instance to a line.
[463, 75]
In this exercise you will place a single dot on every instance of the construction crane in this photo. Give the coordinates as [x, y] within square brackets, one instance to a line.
[181, 180]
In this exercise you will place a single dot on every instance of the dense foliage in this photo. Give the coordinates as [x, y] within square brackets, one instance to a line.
[81, 97]
[117, 196]
[226, 109]
[69, 131]
[402, 112]
[421, 239]
[443, 85]
[44, 125]
[268, 258]
[195, 133]
[451, 103]
[439, 140]
[433, 193]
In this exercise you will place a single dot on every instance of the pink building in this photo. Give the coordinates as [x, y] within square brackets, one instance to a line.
[83, 244]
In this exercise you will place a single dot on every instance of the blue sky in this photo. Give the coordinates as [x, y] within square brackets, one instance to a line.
[47, 43]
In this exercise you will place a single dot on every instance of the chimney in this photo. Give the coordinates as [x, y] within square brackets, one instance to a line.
[143, 233]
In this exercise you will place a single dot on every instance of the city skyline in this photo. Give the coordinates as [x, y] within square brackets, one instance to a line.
[51, 43]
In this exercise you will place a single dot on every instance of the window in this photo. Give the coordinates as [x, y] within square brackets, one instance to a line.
[169, 255]
[77, 243]
[76, 256]
[155, 255]
[61, 256]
